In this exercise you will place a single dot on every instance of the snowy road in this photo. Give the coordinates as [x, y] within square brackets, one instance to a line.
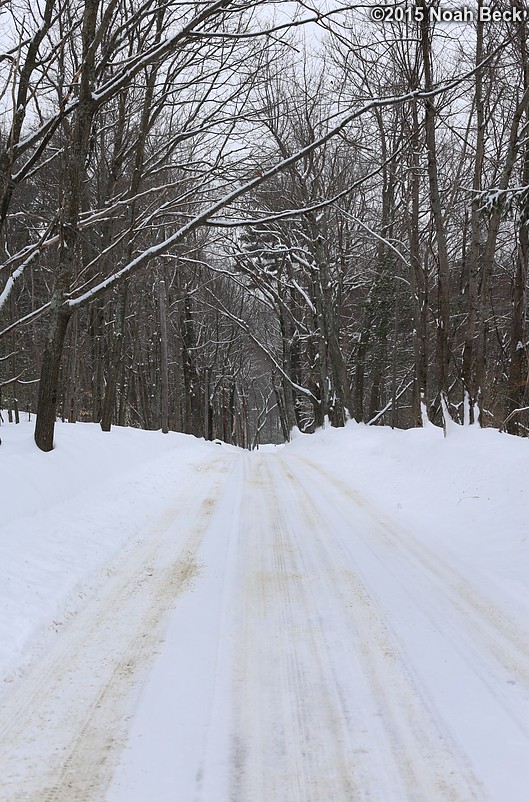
[275, 638]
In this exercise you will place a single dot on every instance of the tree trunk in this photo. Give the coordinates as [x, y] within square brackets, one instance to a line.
[164, 364]
[75, 175]
[518, 367]
[443, 306]
[468, 376]
[418, 282]
[517, 379]
[49, 379]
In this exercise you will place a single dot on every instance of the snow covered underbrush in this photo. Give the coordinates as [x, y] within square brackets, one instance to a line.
[67, 515]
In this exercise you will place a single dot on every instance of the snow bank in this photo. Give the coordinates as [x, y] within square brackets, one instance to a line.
[65, 516]
[84, 459]
[465, 494]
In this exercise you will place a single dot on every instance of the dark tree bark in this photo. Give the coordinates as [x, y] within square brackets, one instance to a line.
[419, 284]
[59, 315]
[164, 363]
[443, 355]
[49, 378]
[467, 371]
[518, 379]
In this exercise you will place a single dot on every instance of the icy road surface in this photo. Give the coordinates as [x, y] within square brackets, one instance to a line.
[274, 638]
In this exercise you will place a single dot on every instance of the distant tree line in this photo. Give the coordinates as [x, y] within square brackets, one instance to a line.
[214, 223]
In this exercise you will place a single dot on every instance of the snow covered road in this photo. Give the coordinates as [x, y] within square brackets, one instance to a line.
[275, 637]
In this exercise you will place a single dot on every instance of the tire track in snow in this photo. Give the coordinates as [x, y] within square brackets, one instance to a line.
[286, 698]
[460, 654]
[63, 726]
[484, 622]
[417, 753]
[326, 708]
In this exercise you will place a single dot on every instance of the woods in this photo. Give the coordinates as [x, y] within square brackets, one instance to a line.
[232, 218]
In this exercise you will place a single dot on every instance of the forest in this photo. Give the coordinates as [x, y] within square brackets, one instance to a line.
[236, 217]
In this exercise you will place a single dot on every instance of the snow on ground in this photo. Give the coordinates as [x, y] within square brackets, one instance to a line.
[471, 488]
[65, 516]
[343, 617]
[466, 494]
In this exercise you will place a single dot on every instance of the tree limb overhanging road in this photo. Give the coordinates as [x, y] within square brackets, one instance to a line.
[275, 638]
